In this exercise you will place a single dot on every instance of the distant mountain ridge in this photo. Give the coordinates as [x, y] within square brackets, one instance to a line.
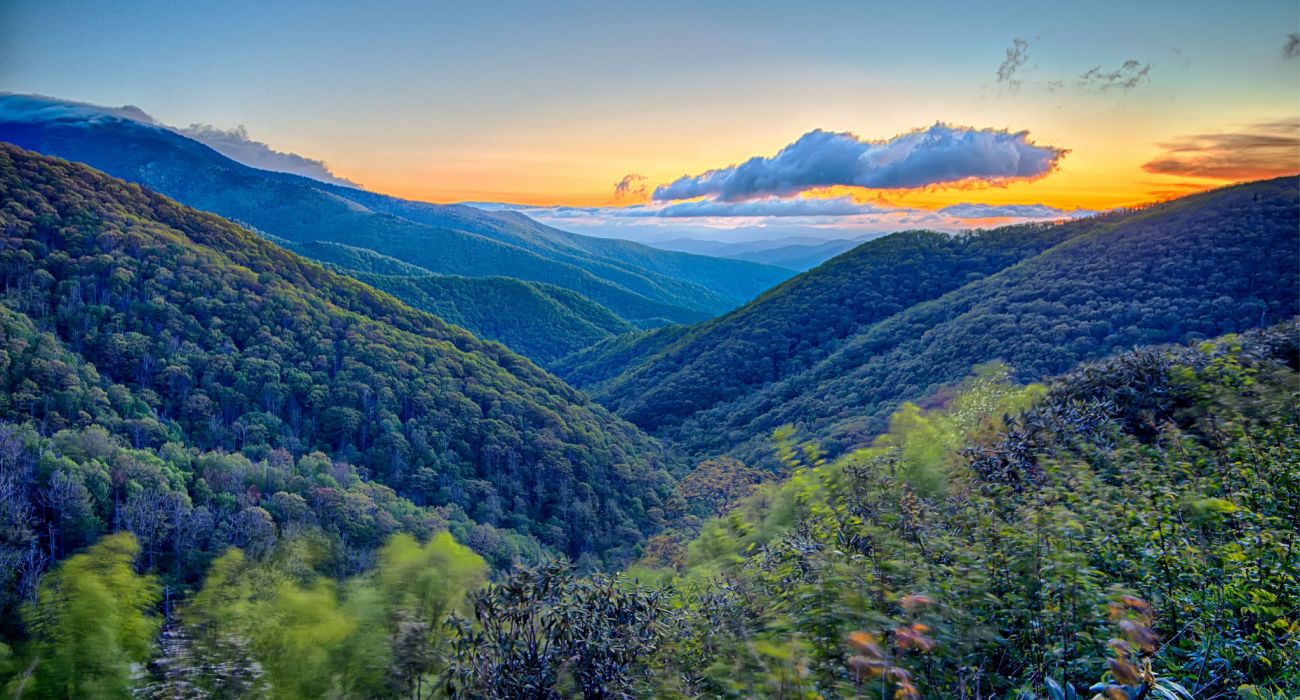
[644, 286]
[794, 253]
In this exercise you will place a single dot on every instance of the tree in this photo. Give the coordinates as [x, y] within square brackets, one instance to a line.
[719, 483]
[421, 585]
[92, 621]
[544, 632]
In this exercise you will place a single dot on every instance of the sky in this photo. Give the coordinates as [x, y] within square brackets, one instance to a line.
[629, 120]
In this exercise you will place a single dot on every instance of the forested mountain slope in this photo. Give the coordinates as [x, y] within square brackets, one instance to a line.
[540, 321]
[791, 327]
[1193, 268]
[591, 367]
[186, 329]
[643, 285]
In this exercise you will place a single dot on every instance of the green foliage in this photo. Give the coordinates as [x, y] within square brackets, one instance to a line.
[91, 622]
[590, 368]
[427, 580]
[545, 633]
[376, 635]
[323, 462]
[1172, 476]
[922, 443]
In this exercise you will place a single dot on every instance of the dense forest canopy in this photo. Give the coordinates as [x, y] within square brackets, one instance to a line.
[181, 328]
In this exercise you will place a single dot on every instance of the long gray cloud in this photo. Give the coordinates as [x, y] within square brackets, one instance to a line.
[771, 206]
[938, 155]
[1291, 49]
[1258, 151]
[966, 210]
[234, 143]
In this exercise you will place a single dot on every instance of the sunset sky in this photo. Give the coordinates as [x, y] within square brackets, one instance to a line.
[553, 106]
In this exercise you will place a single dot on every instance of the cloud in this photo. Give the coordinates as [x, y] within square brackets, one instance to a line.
[939, 155]
[32, 109]
[237, 145]
[1129, 74]
[632, 185]
[1126, 77]
[966, 210]
[1262, 150]
[1291, 49]
[809, 208]
[233, 143]
[1017, 57]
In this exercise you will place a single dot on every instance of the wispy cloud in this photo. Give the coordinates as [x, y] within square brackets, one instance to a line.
[1017, 57]
[938, 155]
[632, 185]
[1128, 76]
[1258, 151]
[1291, 48]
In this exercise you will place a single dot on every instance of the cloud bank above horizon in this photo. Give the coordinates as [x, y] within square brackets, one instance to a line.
[933, 156]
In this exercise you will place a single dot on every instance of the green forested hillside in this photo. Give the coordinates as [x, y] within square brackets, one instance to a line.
[348, 258]
[230, 471]
[836, 362]
[791, 327]
[542, 322]
[590, 367]
[539, 321]
[176, 330]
